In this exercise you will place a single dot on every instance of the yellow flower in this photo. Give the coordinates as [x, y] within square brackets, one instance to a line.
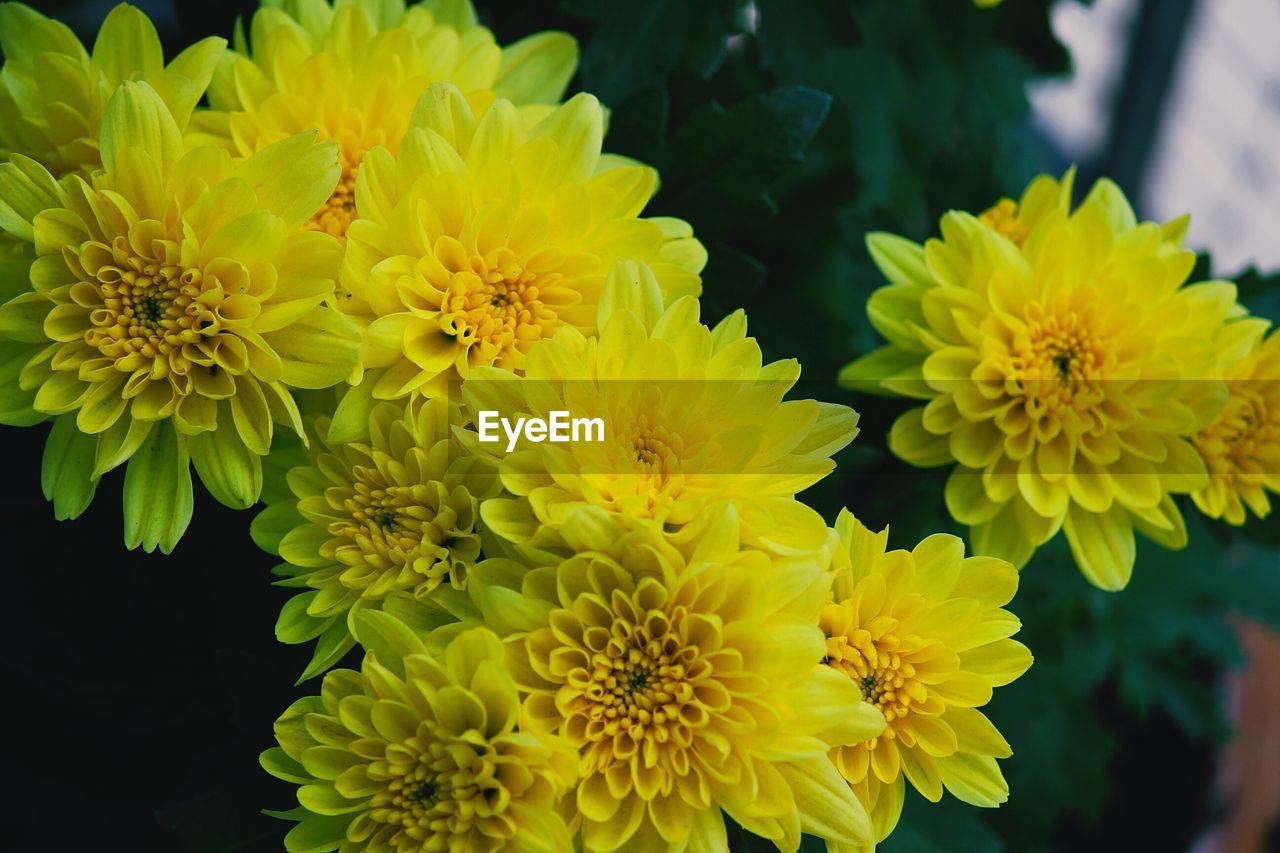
[175, 304]
[1065, 375]
[688, 682]
[354, 72]
[1043, 196]
[53, 94]
[387, 524]
[483, 237]
[1242, 446]
[692, 419]
[924, 635]
[420, 751]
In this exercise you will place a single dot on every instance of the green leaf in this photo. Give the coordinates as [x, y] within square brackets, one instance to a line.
[638, 45]
[1260, 292]
[719, 165]
[158, 499]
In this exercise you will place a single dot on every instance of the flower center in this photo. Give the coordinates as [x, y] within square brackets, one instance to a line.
[145, 308]
[422, 794]
[340, 210]
[435, 787]
[1056, 364]
[1002, 217]
[395, 535]
[642, 692]
[385, 514]
[652, 448]
[877, 663]
[648, 445]
[878, 668]
[496, 305]
[1062, 351]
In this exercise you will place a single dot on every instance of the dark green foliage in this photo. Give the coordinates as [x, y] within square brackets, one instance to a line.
[637, 45]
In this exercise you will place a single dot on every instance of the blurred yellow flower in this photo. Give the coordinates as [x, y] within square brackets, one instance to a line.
[353, 71]
[693, 419]
[1065, 374]
[53, 93]
[1043, 196]
[1242, 446]
[175, 304]
[689, 682]
[924, 635]
[386, 523]
[419, 751]
[484, 236]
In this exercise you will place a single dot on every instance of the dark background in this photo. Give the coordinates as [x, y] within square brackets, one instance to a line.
[140, 688]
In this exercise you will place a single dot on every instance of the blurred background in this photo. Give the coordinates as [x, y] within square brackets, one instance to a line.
[140, 688]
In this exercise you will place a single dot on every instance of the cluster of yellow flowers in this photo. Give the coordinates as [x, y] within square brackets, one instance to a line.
[383, 224]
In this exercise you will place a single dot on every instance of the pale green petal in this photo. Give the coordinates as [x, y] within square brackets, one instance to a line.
[278, 763]
[118, 443]
[158, 498]
[16, 407]
[66, 474]
[229, 470]
[536, 69]
[294, 177]
[319, 350]
[22, 318]
[331, 647]
[271, 525]
[317, 834]
[295, 624]
[386, 637]
[1103, 546]
[187, 77]
[136, 117]
[26, 188]
[127, 46]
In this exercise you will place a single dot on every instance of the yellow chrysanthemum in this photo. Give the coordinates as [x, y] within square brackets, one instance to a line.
[387, 524]
[1043, 196]
[53, 93]
[483, 237]
[1065, 375]
[421, 752]
[689, 682]
[923, 633]
[354, 73]
[175, 303]
[1242, 446]
[692, 419]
